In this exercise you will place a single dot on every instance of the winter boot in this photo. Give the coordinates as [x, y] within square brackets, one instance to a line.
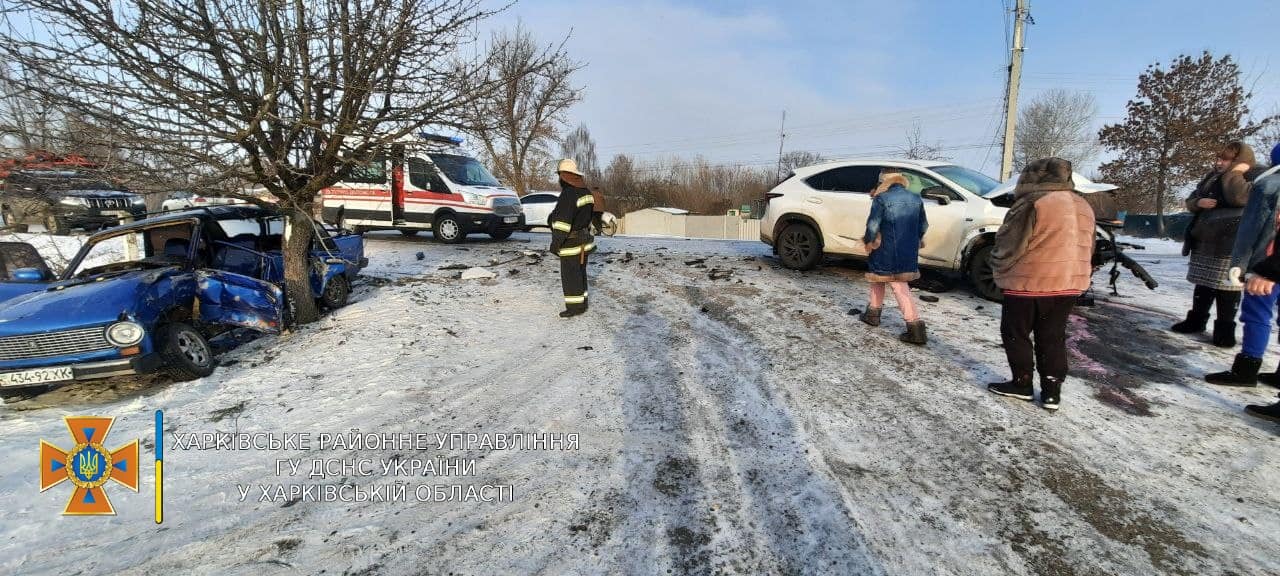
[1270, 378]
[915, 334]
[871, 317]
[1050, 392]
[1269, 412]
[1224, 333]
[1243, 373]
[1019, 388]
[1194, 324]
[572, 312]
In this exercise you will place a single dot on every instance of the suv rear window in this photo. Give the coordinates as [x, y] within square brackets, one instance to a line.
[846, 179]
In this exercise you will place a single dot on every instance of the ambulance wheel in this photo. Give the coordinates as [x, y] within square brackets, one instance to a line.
[335, 293]
[503, 235]
[408, 231]
[448, 229]
[185, 352]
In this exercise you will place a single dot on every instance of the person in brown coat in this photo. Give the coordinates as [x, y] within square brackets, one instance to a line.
[1043, 262]
[1217, 205]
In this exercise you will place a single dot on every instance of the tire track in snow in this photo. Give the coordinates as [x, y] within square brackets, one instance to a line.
[665, 527]
[799, 509]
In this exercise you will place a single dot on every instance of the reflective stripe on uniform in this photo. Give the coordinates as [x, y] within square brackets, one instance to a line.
[575, 299]
[584, 200]
[561, 226]
[576, 250]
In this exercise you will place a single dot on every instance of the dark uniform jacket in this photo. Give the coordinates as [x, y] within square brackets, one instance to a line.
[570, 221]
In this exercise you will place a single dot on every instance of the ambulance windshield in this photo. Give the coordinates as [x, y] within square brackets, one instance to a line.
[464, 170]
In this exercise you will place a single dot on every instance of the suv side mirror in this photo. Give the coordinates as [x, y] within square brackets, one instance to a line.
[937, 195]
[28, 275]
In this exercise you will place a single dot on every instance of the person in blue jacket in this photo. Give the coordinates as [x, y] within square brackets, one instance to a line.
[894, 236]
[1254, 243]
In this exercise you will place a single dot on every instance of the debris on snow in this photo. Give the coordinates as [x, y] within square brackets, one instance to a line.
[478, 273]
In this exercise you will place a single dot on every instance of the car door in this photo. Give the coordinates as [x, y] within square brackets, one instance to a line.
[946, 212]
[22, 270]
[840, 201]
[345, 245]
[233, 299]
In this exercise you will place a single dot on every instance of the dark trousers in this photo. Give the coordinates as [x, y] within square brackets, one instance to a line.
[1045, 317]
[573, 277]
[1203, 299]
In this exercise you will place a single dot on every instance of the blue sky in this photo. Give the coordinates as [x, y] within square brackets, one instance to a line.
[713, 77]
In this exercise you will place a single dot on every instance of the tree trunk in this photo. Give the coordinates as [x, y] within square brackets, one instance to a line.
[297, 267]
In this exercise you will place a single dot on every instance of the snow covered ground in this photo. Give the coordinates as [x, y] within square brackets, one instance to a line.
[746, 424]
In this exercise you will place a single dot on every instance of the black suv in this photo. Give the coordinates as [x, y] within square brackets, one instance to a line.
[62, 200]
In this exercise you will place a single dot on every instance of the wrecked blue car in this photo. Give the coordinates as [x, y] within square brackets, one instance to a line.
[148, 296]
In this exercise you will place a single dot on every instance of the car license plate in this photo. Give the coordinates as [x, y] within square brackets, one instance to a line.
[510, 220]
[37, 376]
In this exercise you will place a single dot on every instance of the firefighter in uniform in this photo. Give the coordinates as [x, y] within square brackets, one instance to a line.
[571, 237]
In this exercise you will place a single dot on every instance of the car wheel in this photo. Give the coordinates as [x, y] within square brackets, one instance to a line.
[12, 222]
[408, 231]
[798, 247]
[502, 235]
[55, 225]
[448, 229]
[185, 352]
[983, 275]
[335, 293]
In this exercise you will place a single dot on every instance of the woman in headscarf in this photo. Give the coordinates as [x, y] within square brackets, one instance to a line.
[1217, 205]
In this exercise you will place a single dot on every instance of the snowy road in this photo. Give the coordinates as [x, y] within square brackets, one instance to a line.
[743, 425]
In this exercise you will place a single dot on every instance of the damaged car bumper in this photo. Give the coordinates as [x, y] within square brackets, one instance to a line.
[55, 373]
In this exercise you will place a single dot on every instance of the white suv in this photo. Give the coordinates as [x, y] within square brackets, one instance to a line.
[823, 209]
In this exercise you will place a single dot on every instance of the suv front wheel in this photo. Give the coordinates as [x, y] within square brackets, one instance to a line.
[983, 275]
[798, 246]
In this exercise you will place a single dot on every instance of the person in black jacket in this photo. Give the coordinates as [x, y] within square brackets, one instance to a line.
[570, 236]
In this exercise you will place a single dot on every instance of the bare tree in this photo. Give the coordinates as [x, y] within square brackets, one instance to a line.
[1179, 118]
[517, 123]
[917, 148]
[579, 145]
[1268, 137]
[287, 96]
[799, 159]
[1057, 123]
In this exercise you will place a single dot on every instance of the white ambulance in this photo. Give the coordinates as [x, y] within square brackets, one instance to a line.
[428, 183]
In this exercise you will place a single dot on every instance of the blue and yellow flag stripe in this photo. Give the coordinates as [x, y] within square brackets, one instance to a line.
[159, 466]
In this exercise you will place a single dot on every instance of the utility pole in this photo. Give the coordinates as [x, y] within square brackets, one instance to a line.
[782, 138]
[1011, 89]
